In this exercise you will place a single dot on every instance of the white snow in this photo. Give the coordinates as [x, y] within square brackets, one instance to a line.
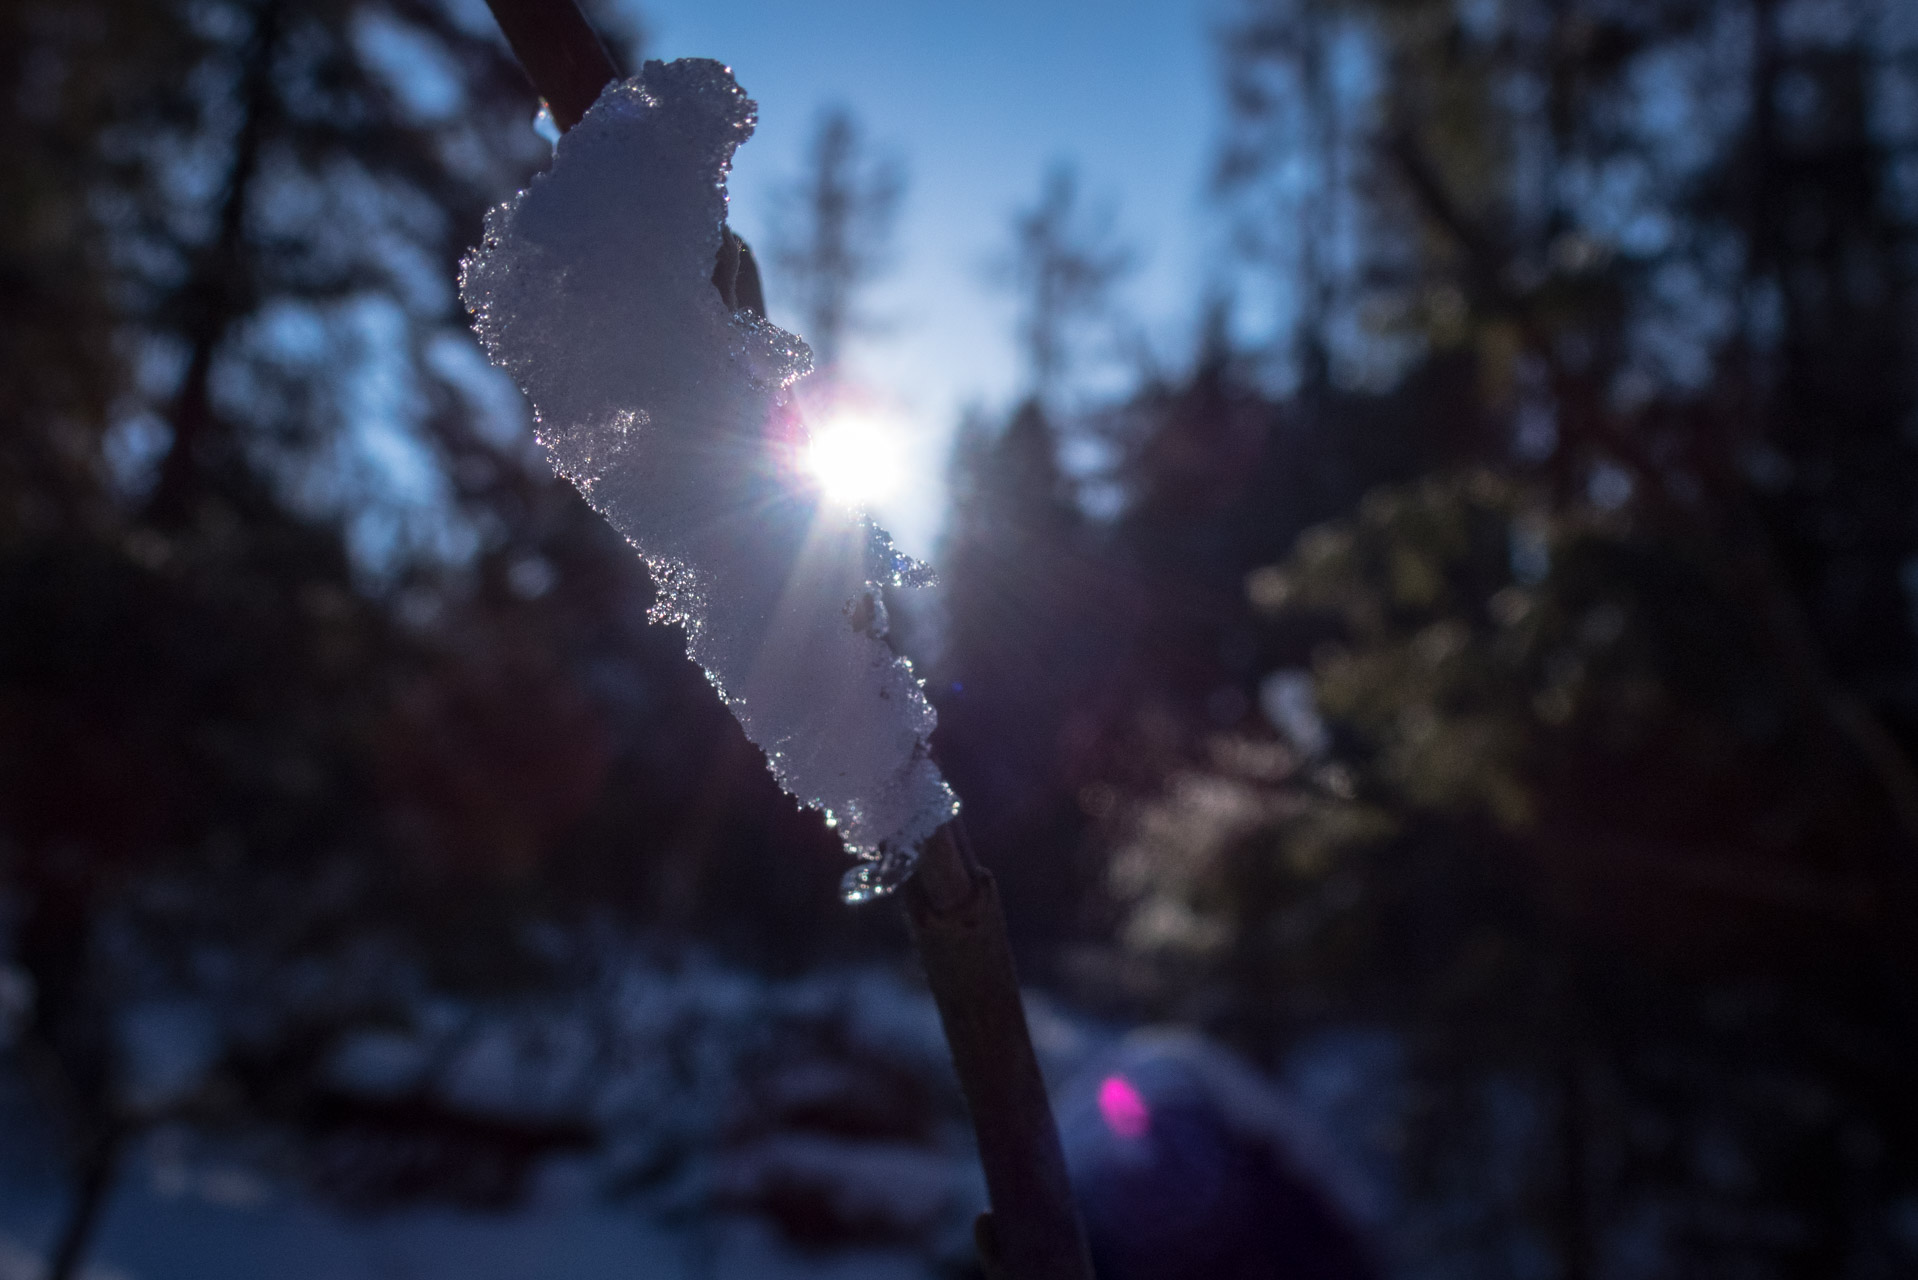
[729, 1108]
[893, 1188]
[663, 1057]
[1287, 699]
[673, 417]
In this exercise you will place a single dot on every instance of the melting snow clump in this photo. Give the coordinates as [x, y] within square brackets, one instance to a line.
[671, 414]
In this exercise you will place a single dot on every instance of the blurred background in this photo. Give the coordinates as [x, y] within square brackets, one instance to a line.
[1426, 498]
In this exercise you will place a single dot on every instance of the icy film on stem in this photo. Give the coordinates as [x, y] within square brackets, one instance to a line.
[593, 288]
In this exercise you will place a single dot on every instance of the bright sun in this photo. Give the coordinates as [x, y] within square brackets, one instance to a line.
[856, 460]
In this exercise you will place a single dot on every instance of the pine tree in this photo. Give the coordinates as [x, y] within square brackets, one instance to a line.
[309, 659]
[1617, 745]
[833, 236]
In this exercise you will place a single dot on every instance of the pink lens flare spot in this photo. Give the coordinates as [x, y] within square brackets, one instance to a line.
[1125, 1112]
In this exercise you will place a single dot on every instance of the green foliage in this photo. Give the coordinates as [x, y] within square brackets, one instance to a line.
[1569, 835]
[1607, 821]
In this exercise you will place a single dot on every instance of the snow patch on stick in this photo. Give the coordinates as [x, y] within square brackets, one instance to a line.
[673, 417]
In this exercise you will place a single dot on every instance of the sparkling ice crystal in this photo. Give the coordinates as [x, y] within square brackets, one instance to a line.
[672, 415]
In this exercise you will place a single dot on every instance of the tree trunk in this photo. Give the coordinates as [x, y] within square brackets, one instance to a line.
[93, 1185]
[218, 294]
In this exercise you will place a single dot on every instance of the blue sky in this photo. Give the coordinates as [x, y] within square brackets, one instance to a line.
[979, 99]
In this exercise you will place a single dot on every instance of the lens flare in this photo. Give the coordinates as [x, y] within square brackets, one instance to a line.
[1123, 1109]
[857, 460]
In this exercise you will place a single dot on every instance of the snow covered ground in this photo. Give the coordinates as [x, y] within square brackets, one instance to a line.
[747, 1127]
[242, 1229]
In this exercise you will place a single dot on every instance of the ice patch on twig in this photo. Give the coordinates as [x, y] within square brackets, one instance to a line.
[672, 416]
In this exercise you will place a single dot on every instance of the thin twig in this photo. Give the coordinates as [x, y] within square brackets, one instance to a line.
[1033, 1231]
[960, 930]
[561, 53]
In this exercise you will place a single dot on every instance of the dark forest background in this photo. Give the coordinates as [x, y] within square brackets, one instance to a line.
[1496, 637]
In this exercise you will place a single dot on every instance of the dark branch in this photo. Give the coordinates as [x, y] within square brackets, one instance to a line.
[569, 67]
[560, 51]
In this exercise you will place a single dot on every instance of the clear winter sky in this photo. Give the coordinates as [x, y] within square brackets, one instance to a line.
[979, 98]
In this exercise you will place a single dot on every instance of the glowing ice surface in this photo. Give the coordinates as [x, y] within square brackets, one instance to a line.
[670, 413]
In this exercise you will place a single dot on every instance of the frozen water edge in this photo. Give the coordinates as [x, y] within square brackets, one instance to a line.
[673, 417]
